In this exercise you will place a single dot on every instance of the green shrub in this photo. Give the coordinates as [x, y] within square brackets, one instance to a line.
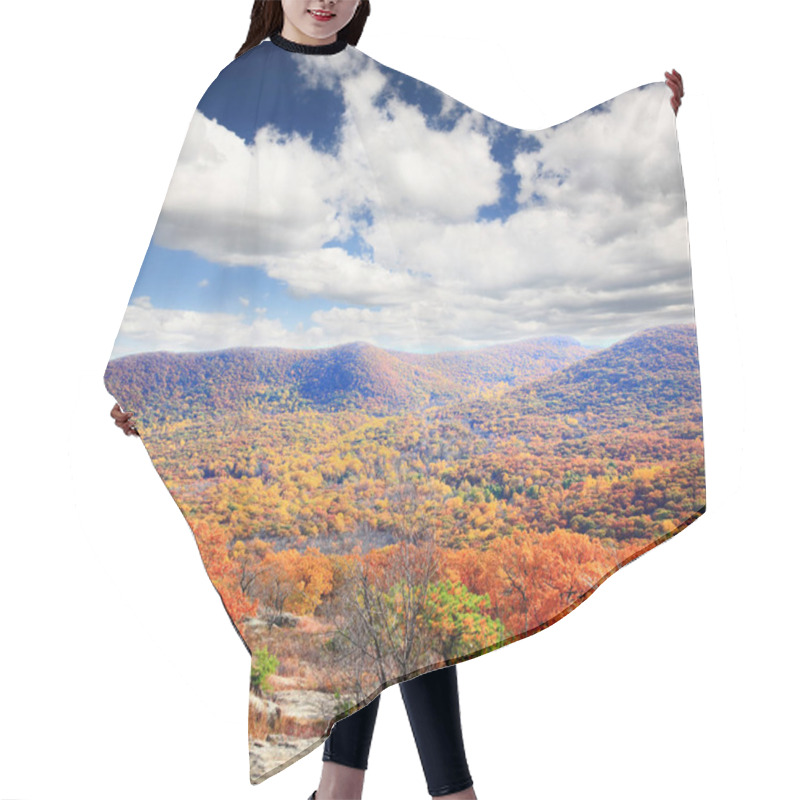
[263, 665]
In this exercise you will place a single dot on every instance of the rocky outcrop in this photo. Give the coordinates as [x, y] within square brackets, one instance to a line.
[301, 705]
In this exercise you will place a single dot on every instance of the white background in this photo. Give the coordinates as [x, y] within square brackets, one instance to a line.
[121, 675]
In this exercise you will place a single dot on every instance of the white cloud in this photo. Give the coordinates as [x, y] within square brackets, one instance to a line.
[605, 254]
[440, 175]
[235, 204]
[333, 273]
[146, 329]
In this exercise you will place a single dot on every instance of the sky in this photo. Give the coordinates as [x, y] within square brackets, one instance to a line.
[324, 199]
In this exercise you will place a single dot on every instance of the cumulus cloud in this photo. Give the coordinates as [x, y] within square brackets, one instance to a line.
[145, 328]
[235, 204]
[443, 176]
[333, 273]
[596, 247]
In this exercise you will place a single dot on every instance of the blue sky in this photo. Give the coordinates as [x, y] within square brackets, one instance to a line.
[324, 199]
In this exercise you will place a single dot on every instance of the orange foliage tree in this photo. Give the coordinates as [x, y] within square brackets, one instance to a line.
[212, 541]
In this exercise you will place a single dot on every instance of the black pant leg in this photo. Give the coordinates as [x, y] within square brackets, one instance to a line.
[351, 737]
[435, 716]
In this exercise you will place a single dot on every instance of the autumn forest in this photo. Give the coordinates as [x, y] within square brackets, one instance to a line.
[368, 513]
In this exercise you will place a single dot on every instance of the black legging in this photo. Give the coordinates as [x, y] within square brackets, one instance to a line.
[432, 706]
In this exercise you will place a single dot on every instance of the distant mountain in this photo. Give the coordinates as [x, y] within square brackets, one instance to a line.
[515, 363]
[650, 379]
[168, 386]
[651, 368]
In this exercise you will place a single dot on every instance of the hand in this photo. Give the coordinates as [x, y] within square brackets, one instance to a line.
[675, 82]
[123, 420]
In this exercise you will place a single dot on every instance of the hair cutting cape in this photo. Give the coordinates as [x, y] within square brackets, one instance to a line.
[419, 381]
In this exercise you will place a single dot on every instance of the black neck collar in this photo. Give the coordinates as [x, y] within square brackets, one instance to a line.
[311, 49]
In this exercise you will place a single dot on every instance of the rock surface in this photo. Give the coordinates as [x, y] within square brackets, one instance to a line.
[277, 749]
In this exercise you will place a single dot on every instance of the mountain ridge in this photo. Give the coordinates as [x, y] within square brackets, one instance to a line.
[657, 363]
